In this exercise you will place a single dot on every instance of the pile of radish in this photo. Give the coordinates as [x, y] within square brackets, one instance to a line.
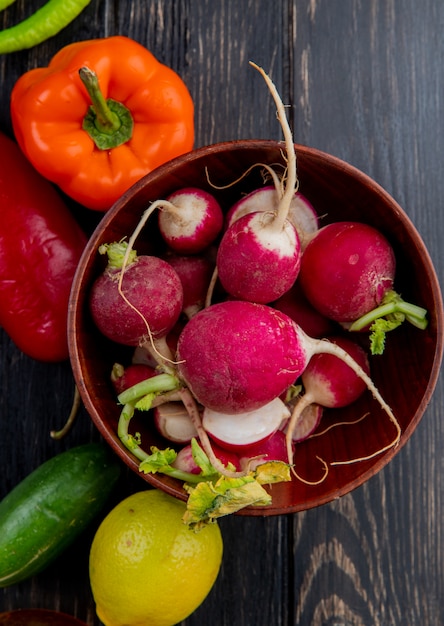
[241, 331]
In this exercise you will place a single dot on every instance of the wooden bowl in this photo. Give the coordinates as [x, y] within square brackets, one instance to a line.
[405, 374]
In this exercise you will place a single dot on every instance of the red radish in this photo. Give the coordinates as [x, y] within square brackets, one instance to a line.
[173, 422]
[236, 356]
[307, 423]
[346, 270]
[258, 259]
[259, 255]
[190, 220]
[273, 449]
[185, 461]
[241, 431]
[136, 303]
[125, 377]
[301, 212]
[195, 274]
[329, 382]
[294, 303]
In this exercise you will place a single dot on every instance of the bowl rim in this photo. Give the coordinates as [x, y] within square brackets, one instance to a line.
[170, 486]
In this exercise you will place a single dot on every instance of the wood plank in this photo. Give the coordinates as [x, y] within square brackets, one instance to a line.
[363, 81]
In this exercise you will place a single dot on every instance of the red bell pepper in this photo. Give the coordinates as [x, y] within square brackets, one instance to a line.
[40, 246]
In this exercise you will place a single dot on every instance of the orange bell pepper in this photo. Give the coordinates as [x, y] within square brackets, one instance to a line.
[103, 114]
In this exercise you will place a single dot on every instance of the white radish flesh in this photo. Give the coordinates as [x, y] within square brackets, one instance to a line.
[242, 430]
[173, 422]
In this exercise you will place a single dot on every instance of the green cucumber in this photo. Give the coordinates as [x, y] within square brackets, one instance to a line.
[45, 512]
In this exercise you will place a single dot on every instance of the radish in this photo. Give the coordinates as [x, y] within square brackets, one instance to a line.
[195, 274]
[347, 273]
[190, 220]
[295, 304]
[236, 356]
[173, 422]
[273, 449]
[260, 253]
[239, 432]
[301, 212]
[124, 377]
[307, 423]
[144, 355]
[346, 270]
[137, 303]
[330, 383]
[185, 460]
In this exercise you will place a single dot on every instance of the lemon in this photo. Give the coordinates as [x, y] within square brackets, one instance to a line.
[147, 568]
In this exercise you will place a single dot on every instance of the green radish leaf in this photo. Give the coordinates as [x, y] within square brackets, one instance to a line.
[208, 501]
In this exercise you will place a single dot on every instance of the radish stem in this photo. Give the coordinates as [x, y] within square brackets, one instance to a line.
[416, 315]
[155, 384]
[129, 441]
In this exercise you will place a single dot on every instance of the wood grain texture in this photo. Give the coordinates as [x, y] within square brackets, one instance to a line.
[363, 81]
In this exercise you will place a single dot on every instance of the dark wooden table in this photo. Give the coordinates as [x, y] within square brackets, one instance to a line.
[365, 82]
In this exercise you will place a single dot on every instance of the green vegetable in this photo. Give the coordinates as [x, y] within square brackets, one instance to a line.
[5, 3]
[212, 495]
[44, 513]
[46, 22]
[391, 313]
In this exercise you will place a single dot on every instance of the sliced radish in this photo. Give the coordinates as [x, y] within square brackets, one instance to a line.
[307, 424]
[235, 432]
[173, 422]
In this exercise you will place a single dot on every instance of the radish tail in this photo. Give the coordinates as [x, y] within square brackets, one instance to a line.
[301, 404]
[292, 181]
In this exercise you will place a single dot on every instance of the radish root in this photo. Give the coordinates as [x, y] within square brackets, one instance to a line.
[312, 482]
[157, 347]
[326, 430]
[292, 182]
[321, 346]
[277, 182]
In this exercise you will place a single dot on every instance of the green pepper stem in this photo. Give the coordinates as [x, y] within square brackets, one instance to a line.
[107, 122]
